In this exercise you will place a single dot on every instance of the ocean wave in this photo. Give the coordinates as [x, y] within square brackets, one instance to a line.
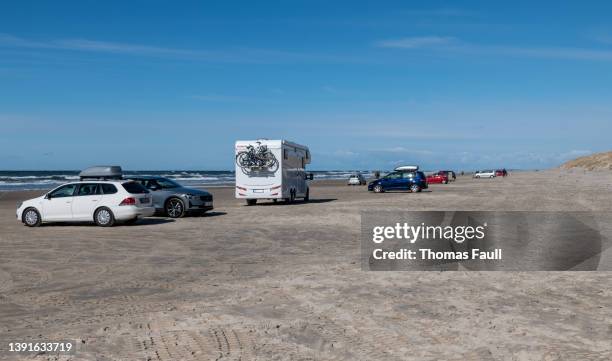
[201, 178]
[38, 180]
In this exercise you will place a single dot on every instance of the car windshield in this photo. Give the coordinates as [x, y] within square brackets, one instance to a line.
[167, 183]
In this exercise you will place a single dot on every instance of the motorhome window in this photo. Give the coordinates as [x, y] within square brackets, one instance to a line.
[108, 188]
[65, 191]
[303, 163]
[285, 154]
[87, 189]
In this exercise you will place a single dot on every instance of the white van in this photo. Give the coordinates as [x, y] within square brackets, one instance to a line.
[271, 169]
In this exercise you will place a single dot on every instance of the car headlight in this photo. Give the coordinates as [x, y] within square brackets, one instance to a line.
[19, 205]
[189, 196]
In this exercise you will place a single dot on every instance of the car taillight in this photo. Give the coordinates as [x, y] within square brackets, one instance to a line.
[129, 201]
[241, 188]
[273, 188]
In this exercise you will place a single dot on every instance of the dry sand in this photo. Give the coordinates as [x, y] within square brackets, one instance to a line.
[283, 282]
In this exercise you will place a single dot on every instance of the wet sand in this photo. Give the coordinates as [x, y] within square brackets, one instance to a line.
[283, 282]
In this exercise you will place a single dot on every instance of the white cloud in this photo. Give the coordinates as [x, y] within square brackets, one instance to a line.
[330, 90]
[574, 153]
[600, 34]
[228, 55]
[453, 45]
[400, 149]
[441, 12]
[416, 42]
[221, 98]
[345, 153]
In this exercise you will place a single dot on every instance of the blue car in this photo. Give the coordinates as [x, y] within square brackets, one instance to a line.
[413, 181]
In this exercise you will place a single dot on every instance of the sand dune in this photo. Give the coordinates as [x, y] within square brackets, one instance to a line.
[599, 161]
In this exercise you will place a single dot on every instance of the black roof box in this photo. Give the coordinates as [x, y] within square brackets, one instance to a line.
[102, 172]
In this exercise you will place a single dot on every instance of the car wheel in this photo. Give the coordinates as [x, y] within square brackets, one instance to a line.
[104, 217]
[31, 217]
[251, 202]
[378, 188]
[414, 188]
[175, 208]
[307, 197]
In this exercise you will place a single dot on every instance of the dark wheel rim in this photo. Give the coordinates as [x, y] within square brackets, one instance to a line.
[103, 217]
[174, 208]
[31, 217]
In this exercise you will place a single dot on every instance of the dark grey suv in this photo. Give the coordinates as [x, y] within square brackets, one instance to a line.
[174, 200]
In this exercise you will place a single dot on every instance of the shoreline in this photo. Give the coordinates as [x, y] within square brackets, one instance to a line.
[192, 182]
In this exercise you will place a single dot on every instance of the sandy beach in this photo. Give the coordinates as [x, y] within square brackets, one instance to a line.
[284, 282]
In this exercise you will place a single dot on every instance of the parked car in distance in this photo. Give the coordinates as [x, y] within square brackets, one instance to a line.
[450, 175]
[414, 181]
[501, 172]
[356, 179]
[101, 202]
[484, 174]
[172, 199]
[439, 177]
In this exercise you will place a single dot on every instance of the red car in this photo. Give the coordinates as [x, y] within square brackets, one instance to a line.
[440, 177]
[501, 172]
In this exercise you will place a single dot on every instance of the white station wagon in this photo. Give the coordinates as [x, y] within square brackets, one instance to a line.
[103, 202]
[484, 174]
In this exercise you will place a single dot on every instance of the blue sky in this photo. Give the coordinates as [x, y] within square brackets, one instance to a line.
[368, 85]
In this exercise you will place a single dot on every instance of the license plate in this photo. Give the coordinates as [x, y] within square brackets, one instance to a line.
[258, 190]
[144, 200]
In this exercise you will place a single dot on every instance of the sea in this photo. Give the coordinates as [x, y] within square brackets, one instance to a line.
[47, 179]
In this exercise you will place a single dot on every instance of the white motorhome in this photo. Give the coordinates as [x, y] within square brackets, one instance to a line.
[271, 169]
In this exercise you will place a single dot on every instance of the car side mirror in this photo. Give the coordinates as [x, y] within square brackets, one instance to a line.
[309, 176]
[154, 188]
[48, 196]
